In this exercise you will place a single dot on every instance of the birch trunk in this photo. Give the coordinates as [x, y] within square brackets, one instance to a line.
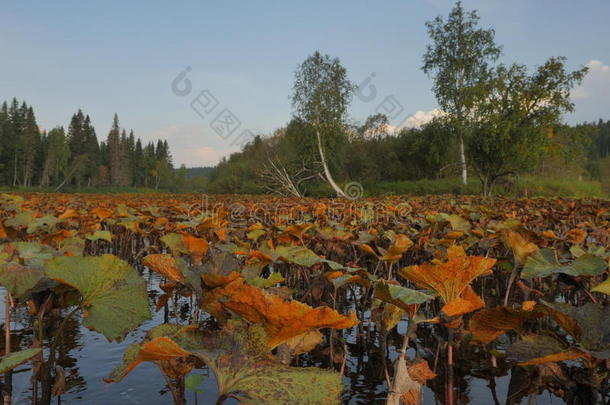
[463, 162]
[327, 174]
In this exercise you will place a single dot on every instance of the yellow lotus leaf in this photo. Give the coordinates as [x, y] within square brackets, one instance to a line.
[165, 265]
[197, 247]
[528, 305]
[454, 235]
[550, 234]
[367, 248]
[556, 357]
[401, 244]
[576, 235]
[540, 349]
[421, 372]
[520, 246]
[281, 319]
[468, 302]
[69, 213]
[304, 343]
[262, 257]
[160, 222]
[488, 324]
[221, 233]
[449, 279]
[297, 230]
[102, 213]
[161, 348]
[163, 344]
[455, 251]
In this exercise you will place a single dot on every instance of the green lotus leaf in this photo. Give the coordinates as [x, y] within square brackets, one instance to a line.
[267, 382]
[74, 246]
[457, 222]
[97, 235]
[113, 294]
[19, 279]
[43, 224]
[192, 382]
[241, 363]
[21, 220]
[174, 242]
[21, 266]
[400, 296]
[273, 279]
[12, 360]
[593, 326]
[543, 262]
[536, 349]
[302, 256]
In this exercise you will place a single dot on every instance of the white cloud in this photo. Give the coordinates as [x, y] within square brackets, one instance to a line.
[421, 118]
[595, 83]
[416, 120]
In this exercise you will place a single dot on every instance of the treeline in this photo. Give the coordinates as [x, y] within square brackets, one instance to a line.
[381, 160]
[74, 158]
[499, 124]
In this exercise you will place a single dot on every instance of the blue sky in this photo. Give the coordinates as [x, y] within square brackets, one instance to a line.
[112, 56]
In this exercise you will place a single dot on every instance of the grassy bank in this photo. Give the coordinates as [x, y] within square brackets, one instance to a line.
[522, 187]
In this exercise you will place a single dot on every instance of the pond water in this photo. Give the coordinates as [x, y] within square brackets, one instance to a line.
[88, 357]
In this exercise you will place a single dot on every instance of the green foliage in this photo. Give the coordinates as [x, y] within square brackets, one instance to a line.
[593, 329]
[424, 187]
[543, 262]
[74, 159]
[530, 186]
[113, 293]
[238, 358]
[513, 125]
[458, 60]
[321, 91]
[12, 360]
[192, 382]
[400, 296]
[21, 266]
[321, 94]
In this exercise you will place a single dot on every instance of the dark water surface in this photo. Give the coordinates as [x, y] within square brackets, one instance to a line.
[88, 357]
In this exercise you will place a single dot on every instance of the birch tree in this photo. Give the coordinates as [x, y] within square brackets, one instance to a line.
[321, 94]
[458, 62]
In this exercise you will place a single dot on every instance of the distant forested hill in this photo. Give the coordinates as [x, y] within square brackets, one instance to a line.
[204, 171]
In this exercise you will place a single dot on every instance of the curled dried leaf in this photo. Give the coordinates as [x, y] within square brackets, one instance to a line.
[281, 319]
[164, 264]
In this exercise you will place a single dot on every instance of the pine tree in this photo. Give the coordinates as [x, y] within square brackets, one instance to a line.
[29, 146]
[57, 156]
[149, 163]
[30, 157]
[92, 150]
[5, 130]
[139, 170]
[125, 177]
[114, 152]
[15, 152]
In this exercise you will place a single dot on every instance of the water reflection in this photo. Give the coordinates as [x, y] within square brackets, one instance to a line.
[479, 378]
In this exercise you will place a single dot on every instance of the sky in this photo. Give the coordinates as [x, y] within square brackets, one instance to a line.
[237, 60]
